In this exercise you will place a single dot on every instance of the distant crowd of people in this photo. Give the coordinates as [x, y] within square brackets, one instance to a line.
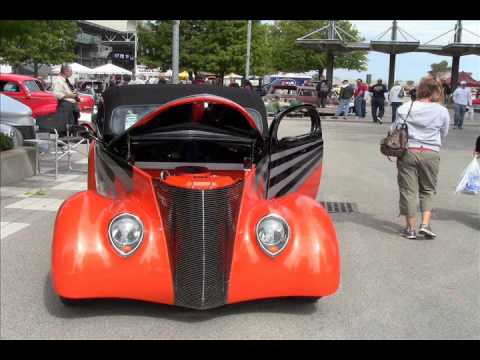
[352, 99]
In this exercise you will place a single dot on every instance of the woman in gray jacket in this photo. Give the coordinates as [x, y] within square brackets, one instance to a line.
[427, 123]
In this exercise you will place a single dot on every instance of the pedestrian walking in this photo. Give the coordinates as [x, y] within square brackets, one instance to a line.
[323, 89]
[395, 97]
[248, 85]
[476, 152]
[413, 94]
[68, 109]
[360, 103]
[447, 91]
[378, 101]
[233, 83]
[462, 98]
[427, 122]
[112, 81]
[346, 94]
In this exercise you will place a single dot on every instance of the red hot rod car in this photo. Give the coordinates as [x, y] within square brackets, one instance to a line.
[194, 201]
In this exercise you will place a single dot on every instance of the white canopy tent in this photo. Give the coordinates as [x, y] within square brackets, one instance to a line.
[233, 76]
[76, 69]
[5, 69]
[167, 73]
[110, 69]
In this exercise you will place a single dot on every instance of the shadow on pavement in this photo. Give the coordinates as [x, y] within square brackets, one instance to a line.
[370, 221]
[469, 219]
[112, 307]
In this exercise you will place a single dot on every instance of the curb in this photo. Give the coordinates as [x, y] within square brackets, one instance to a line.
[17, 164]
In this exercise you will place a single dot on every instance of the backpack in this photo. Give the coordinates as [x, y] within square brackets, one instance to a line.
[395, 144]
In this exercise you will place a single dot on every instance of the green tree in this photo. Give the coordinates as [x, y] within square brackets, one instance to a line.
[440, 67]
[52, 42]
[217, 46]
[289, 56]
[12, 28]
[155, 44]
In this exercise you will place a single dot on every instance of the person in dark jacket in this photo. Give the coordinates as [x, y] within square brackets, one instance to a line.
[346, 94]
[323, 89]
[378, 100]
[413, 94]
[477, 147]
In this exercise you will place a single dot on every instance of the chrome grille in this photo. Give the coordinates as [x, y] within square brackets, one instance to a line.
[200, 227]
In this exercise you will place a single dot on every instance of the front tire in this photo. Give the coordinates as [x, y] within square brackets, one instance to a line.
[18, 139]
[309, 299]
[71, 302]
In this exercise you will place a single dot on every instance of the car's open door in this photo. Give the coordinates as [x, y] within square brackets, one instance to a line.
[296, 152]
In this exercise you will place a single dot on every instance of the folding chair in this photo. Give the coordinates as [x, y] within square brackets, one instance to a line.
[64, 138]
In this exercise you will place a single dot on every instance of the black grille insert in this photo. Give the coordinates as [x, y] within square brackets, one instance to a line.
[200, 227]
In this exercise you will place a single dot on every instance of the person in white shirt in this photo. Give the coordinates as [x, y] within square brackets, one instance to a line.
[395, 97]
[461, 99]
[427, 121]
[67, 97]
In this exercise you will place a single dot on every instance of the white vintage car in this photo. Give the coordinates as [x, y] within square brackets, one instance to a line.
[16, 120]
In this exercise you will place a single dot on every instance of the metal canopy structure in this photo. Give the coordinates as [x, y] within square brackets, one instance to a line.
[110, 35]
[394, 47]
[334, 41]
[124, 33]
[451, 49]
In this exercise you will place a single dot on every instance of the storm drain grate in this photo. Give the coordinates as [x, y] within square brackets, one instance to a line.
[339, 207]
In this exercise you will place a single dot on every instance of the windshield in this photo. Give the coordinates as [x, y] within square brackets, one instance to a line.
[279, 91]
[31, 85]
[124, 117]
[306, 92]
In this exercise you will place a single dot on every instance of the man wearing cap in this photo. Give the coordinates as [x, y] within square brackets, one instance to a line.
[461, 99]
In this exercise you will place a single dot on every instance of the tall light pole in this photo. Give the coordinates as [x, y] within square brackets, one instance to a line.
[175, 50]
[456, 59]
[135, 52]
[249, 40]
[391, 68]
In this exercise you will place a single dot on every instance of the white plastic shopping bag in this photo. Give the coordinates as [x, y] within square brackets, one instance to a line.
[470, 180]
[471, 114]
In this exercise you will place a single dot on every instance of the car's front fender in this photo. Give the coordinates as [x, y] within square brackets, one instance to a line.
[85, 264]
[308, 266]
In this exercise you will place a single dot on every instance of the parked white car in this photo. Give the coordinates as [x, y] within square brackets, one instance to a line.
[16, 120]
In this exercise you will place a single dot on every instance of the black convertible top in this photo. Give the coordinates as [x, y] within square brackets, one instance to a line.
[163, 93]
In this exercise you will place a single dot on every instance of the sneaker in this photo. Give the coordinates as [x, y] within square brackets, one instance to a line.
[426, 230]
[380, 120]
[409, 234]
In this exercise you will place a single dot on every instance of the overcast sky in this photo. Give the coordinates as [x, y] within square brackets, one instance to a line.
[413, 66]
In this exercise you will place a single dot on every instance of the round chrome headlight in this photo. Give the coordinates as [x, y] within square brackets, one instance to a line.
[125, 233]
[272, 233]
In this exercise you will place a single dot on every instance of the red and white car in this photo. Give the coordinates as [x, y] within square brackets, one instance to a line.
[30, 91]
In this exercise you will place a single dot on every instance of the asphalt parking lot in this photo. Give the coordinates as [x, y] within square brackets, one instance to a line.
[390, 287]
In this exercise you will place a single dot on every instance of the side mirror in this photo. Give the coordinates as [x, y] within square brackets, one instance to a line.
[28, 94]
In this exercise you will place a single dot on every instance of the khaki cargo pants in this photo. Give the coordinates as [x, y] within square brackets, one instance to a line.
[417, 179]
